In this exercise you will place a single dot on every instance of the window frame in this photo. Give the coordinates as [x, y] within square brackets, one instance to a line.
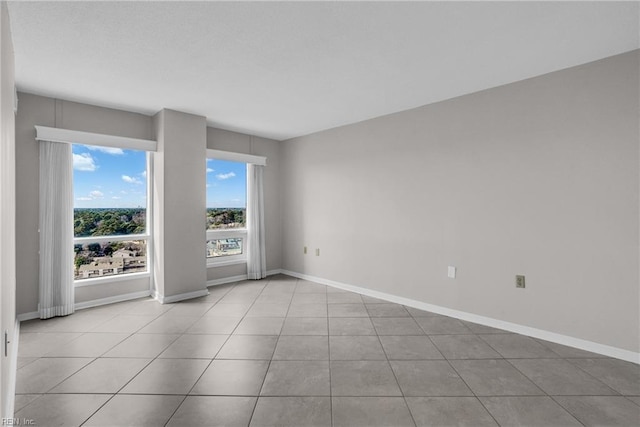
[247, 159]
[146, 236]
[225, 233]
[149, 146]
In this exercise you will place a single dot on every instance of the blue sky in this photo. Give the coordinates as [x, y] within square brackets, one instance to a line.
[105, 177]
[226, 184]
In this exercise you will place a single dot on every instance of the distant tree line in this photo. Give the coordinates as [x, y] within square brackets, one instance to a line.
[225, 218]
[109, 222]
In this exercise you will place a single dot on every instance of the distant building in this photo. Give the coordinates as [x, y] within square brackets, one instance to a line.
[108, 266]
[227, 245]
[123, 253]
[104, 266]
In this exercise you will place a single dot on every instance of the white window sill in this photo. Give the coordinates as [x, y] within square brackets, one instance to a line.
[110, 279]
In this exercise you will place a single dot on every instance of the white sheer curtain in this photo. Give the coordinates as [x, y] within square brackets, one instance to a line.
[256, 257]
[56, 230]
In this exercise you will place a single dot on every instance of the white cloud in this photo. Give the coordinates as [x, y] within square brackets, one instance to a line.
[143, 174]
[131, 180]
[209, 170]
[109, 150]
[116, 198]
[225, 175]
[96, 194]
[208, 185]
[84, 162]
[84, 199]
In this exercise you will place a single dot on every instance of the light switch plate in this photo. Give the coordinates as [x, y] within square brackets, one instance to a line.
[451, 272]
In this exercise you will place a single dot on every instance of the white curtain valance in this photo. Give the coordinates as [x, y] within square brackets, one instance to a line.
[236, 157]
[45, 133]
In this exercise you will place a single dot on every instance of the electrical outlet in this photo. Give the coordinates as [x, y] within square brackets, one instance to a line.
[305, 250]
[519, 281]
[317, 252]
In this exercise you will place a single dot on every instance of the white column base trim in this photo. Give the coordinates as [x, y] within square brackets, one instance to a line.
[579, 343]
[93, 303]
[180, 297]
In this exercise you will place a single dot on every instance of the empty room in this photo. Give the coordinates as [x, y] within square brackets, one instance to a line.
[320, 213]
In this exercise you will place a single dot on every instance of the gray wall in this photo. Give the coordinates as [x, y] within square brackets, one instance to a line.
[539, 177]
[219, 139]
[37, 110]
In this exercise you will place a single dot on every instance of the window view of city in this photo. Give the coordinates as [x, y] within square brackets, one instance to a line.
[225, 219]
[97, 259]
[224, 247]
[109, 186]
[226, 207]
[109, 258]
[110, 204]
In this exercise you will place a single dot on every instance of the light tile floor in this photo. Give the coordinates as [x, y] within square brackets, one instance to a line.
[288, 352]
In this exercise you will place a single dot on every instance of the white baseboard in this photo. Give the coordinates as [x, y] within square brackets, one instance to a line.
[111, 300]
[180, 297]
[27, 316]
[240, 278]
[135, 295]
[93, 303]
[225, 280]
[579, 343]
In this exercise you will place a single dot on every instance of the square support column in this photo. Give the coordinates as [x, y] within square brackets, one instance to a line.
[179, 206]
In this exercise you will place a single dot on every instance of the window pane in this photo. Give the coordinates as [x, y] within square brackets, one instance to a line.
[226, 194]
[110, 191]
[110, 258]
[224, 247]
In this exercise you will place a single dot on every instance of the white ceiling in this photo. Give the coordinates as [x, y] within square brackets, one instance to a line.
[281, 70]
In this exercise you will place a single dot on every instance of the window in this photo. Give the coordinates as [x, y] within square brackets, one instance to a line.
[110, 212]
[226, 212]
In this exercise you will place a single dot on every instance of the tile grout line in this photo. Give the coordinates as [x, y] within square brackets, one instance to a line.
[543, 390]
[395, 377]
[255, 405]
[210, 361]
[146, 366]
[131, 379]
[460, 376]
